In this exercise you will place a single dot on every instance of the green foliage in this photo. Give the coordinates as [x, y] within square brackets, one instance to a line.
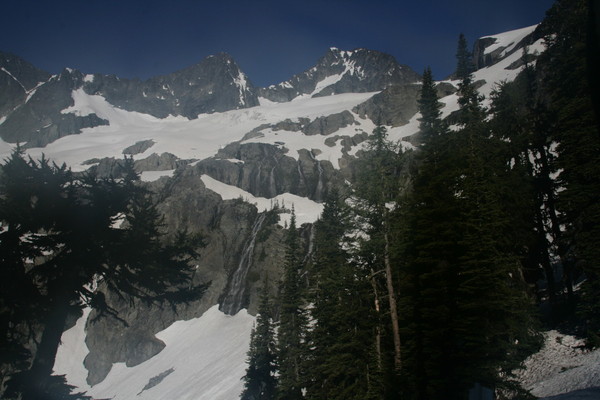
[464, 65]
[575, 129]
[260, 382]
[430, 123]
[341, 338]
[464, 301]
[292, 321]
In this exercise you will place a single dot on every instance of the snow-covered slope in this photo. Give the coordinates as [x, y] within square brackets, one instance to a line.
[204, 359]
[187, 139]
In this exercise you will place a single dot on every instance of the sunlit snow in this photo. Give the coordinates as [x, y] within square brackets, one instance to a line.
[508, 40]
[187, 139]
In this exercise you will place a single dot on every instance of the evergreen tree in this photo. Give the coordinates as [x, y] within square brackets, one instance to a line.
[380, 182]
[430, 123]
[58, 234]
[464, 66]
[292, 322]
[260, 381]
[575, 130]
[521, 119]
[465, 276]
[341, 340]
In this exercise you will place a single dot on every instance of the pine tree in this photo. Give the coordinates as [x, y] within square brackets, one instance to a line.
[260, 382]
[292, 322]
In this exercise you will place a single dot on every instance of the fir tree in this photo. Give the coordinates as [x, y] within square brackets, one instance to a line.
[464, 66]
[465, 276]
[260, 381]
[381, 180]
[521, 119]
[292, 321]
[430, 123]
[341, 340]
[575, 130]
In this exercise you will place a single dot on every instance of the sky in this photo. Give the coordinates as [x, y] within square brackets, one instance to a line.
[270, 40]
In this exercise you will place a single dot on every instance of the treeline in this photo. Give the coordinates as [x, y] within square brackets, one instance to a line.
[428, 272]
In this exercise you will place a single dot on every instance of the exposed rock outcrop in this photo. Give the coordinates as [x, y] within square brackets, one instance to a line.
[339, 71]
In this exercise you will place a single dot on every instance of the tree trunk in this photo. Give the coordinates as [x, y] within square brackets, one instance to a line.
[393, 305]
[43, 362]
[377, 328]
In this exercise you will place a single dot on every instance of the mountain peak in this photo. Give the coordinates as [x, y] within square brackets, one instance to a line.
[343, 71]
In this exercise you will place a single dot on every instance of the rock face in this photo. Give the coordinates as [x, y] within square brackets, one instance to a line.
[188, 205]
[32, 101]
[216, 84]
[18, 79]
[394, 106]
[356, 71]
[266, 171]
[37, 119]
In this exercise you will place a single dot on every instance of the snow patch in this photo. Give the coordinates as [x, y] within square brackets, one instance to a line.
[72, 352]
[13, 77]
[508, 40]
[307, 211]
[207, 356]
[242, 84]
[151, 176]
[327, 81]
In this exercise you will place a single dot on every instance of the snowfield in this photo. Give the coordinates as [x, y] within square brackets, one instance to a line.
[197, 139]
[204, 359]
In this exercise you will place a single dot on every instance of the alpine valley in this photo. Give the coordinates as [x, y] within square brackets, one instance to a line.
[242, 165]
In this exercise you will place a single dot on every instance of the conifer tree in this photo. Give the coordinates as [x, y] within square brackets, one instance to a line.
[260, 381]
[521, 119]
[381, 180]
[292, 321]
[464, 66]
[464, 272]
[430, 123]
[575, 130]
[340, 340]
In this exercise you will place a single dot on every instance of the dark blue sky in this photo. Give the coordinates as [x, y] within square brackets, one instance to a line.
[270, 40]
